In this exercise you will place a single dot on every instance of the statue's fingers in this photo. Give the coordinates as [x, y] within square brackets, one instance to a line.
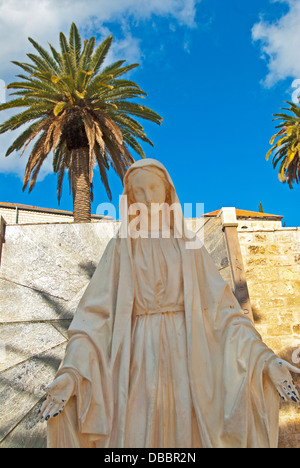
[47, 408]
[49, 387]
[282, 395]
[54, 411]
[290, 390]
[294, 394]
[46, 412]
[44, 406]
[291, 368]
[281, 392]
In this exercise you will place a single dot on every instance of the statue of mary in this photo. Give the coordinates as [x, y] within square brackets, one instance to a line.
[160, 354]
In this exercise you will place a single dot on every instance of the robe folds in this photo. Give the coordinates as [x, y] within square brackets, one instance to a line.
[235, 405]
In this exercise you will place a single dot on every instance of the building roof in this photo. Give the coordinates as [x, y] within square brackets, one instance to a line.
[46, 210]
[242, 214]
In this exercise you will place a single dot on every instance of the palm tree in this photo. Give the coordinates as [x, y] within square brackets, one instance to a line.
[287, 146]
[80, 110]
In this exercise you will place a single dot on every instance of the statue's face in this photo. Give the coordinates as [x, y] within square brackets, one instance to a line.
[148, 188]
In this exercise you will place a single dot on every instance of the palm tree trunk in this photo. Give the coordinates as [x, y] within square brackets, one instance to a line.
[81, 185]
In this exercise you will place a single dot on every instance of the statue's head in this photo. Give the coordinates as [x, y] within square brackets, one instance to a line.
[148, 185]
[148, 182]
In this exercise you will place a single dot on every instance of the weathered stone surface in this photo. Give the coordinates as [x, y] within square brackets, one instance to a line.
[24, 384]
[29, 433]
[62, 326]
[54, 259]
[273, 275]
[215, 243]
[44, 272]
[24, 340]
[37, 305]
[46, 268]
[226, 274]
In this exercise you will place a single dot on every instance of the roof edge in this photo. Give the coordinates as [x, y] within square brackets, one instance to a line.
[242, 214]
[46, 210]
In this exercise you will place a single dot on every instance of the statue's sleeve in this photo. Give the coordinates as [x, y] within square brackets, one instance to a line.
[87, 417]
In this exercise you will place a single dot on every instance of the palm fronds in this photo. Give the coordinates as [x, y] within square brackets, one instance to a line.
[71, 100]
[286, 150]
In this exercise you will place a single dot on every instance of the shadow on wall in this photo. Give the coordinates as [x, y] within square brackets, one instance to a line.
[62, 312]
[22, 383]
[88, 268]
[256, 316]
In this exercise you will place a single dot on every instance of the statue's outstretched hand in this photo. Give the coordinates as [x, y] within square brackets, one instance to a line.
[57, 396]
[280, 373]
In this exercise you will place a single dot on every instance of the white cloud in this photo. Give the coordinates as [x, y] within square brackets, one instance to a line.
[44, 19]
[280, 44]
[14, 164]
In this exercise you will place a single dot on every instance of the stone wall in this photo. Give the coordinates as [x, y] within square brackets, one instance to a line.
[12, 216]
[21, 215]
[272, 263]
[44, 272]
[210, 232]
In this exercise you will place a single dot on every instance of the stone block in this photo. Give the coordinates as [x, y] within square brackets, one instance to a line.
[253, 261]
[272, 303]
[245, 238]
[289, 273]
[55, 259]
[260, 237]
[37, 305]
[29, 434]
[262, 273]
[296, 329]
[24, 383]
[256, 250]
[24, 340]
[272, 249]
[26, 263]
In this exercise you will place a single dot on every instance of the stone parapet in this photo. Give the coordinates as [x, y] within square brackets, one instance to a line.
[272, 266]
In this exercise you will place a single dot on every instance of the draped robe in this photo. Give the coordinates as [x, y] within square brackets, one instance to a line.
[235, 405]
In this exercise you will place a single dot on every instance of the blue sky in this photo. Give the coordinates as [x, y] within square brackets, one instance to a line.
[215, 71]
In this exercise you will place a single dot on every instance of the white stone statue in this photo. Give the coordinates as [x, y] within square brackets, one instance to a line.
[160, 354]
